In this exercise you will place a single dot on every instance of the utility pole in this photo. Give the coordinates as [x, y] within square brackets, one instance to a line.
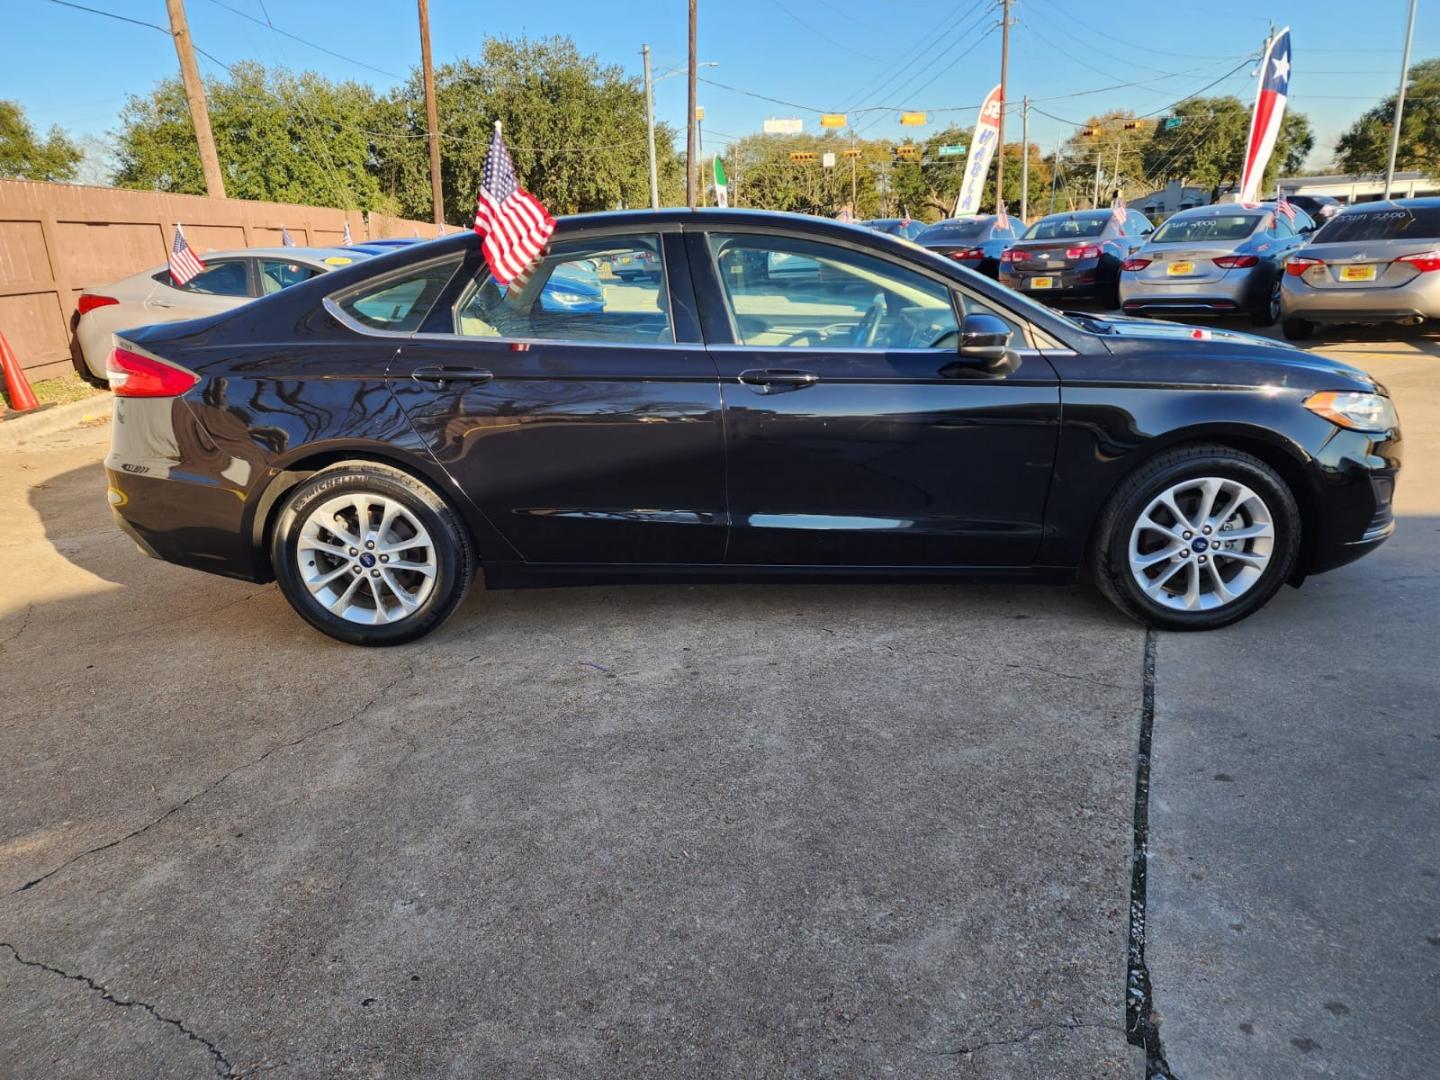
[1115, 180]
[1054, 178]
[195, 93]
[650, 129]
[854, 210]
[1096, 200]
[1025, 159]
[1400, 102]
[1004, 69]
[691, 171]
[700, 150]
[432, 115]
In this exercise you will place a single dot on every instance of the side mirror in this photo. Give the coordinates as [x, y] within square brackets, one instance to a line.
[985, 338]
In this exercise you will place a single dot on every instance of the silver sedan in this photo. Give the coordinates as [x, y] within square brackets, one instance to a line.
[1214, 260]
[1372, 263]
[230, 278]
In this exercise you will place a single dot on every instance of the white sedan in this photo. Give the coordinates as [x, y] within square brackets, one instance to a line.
[230, 278]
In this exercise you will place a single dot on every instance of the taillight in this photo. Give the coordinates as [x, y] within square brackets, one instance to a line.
[133, 375]
[90, 301]
[1237, 262]
[1084, 251]
[1425, 261]
[968, 255]
[1013, 256]
[1135, 264]
[1298, 264]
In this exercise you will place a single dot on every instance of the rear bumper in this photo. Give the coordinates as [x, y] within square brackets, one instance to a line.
[1405, 303]
[1078, 282]
[1180, 305]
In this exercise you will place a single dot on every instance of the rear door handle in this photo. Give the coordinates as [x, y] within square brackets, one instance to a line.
[442, 375]
[774, 380]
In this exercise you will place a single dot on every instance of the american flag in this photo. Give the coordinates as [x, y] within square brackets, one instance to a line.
[904, 218]
[346, 241]
[1002, 219]
[514, 224]
[286, 240]
[1284, 207]
[184, 263]
[1117, 210]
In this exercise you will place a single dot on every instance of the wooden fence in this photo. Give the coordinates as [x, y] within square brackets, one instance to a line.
[57, 240]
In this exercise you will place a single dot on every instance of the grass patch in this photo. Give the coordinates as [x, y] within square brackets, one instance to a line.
[61, 391]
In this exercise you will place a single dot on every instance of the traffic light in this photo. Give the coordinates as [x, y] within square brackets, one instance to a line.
[851, 153]
[1089, 132]
[802, 156]
[909, 153]
[1132, 125]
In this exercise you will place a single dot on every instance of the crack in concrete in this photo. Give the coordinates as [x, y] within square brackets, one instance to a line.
[24, 625]
[1140, 1026]
[221, 1062]
[408, 673]
[968, 1049]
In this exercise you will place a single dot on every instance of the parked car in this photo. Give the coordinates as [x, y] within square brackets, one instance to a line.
[906, 228]
[636, 266]
[976, 242]
[1320, 207]
[230, 278]
[1214, 260]
[1371, 263]
[1074, 255]
[370, 437]
[384, 246]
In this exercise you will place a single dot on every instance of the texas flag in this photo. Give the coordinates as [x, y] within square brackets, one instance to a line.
[1269, 111]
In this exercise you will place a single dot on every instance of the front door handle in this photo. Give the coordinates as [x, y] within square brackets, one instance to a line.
[440, 376]
[774, 380]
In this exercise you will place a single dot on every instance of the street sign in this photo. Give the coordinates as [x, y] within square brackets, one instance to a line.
[790, 125]
[828, 160]
[952, 151]
[804, 156]
[1172, 122]
[832, 120]
[912, 119]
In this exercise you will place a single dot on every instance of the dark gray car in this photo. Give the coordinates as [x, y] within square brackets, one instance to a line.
[976, 242]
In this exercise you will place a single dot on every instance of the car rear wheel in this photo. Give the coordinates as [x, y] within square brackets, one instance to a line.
[1197, 539]
[1268, 313]
[369, 555]
[1297, 329]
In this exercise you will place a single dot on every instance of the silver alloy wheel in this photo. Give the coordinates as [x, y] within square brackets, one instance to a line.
[1201, 544]
[1272, 305]
[366, 558]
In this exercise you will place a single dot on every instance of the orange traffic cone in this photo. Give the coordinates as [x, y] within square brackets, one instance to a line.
[22, 398]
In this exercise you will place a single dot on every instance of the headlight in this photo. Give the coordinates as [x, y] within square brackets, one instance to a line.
[1349, 409]
[569, 297]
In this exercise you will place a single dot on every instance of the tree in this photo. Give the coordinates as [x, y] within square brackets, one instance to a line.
[1365, 148]
[575, 128]
[279, 136]
[23, 156]
[1207, 147]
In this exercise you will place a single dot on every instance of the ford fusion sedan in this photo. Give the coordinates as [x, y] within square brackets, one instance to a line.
[905, 228]
[1075, 255]
[1213, 260]
[1372, 263]
[976, 242]
[230, 278]
[792, 397]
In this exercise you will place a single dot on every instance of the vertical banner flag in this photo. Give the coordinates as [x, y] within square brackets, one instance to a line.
[1269, 111]
[982, 149]
[722, 187]
[515, 225]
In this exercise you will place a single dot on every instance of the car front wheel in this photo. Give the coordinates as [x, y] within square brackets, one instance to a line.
[369, 555]
[1198, 538]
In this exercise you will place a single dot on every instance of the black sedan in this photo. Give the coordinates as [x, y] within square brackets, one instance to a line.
[793, 397]
[977, 243]
[1076, 255]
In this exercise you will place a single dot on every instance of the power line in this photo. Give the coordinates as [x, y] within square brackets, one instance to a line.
[295, 37]
[826, 37]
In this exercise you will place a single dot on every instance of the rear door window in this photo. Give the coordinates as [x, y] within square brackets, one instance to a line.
[276, 274]
[1391, 223]
[221, 277]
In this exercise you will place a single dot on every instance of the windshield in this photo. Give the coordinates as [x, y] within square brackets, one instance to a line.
[1066, 228]
[1210, 227]
[1392, 223]
[953, 230]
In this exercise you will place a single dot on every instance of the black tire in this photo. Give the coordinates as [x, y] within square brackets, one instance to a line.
[1297, 329]
[1268, 310]
[1110, 543]
[453, 558]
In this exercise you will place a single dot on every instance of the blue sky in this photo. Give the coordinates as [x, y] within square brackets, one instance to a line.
[75, 69]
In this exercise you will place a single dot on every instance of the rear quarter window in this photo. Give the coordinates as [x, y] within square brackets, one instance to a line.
[1391, 223]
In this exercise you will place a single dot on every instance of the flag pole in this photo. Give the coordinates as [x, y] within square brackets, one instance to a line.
[1400, 104]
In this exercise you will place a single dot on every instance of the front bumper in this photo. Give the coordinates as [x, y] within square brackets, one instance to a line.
[1352, 512]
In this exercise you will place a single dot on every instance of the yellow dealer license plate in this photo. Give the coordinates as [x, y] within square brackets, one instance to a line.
[1175, 269]
[1042, 283]
[1357, 273]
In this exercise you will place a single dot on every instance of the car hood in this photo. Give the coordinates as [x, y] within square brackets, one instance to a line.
[1202, 355]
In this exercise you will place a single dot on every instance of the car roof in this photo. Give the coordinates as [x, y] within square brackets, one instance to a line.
[1427, 202]
[314, 254]
[1227, 209]
[1080, 215]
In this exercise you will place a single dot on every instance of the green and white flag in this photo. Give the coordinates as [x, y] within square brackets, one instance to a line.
[722, 190]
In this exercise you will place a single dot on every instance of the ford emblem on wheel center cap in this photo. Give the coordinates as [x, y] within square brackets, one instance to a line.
[367, 560]
[1199, 543]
